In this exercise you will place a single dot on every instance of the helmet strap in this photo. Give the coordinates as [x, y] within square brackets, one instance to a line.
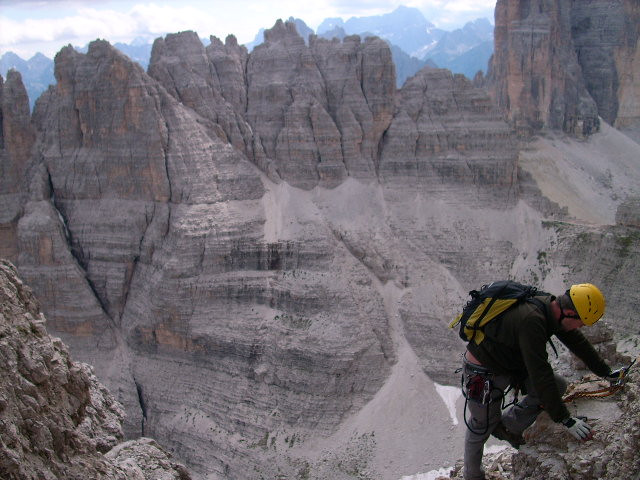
[562, 314]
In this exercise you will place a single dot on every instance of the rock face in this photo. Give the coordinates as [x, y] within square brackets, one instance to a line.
[254, 250]
[536, 75]
[17, 137]
[447, 136]
[612, 454]
[313, 122]
[56, 419]
[605, 36]
[560, 64]
[628, 212]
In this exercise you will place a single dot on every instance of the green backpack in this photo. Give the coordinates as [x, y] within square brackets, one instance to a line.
[490, 302]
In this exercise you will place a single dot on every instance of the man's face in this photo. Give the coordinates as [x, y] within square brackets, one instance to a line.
[571, 323]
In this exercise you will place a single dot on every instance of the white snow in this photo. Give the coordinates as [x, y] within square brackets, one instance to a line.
[432, 475]
[444, 472]
[449, 396]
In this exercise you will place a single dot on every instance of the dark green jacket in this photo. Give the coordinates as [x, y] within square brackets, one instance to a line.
[516, 345]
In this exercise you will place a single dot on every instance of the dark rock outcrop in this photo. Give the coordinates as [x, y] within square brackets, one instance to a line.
[561, 64]
[605, 36]
[56, 419]
[17, 137]
[628, 213]
[536, 76]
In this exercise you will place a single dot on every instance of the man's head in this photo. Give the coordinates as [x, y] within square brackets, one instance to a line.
[582, 304]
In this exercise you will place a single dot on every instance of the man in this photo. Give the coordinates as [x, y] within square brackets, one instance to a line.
[513, 352]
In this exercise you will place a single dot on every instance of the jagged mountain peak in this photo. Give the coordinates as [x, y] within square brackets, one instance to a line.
[283, 31]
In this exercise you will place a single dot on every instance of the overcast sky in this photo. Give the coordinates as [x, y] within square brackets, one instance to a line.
[30, 26]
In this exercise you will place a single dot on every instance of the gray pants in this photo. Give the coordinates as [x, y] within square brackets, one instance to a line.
[483, 418]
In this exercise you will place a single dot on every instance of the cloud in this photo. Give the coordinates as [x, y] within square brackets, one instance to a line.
[85, 24]
[27, 26]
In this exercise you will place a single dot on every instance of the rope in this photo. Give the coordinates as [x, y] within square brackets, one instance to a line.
[602, 392]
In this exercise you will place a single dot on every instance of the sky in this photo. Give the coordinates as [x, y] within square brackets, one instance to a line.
[45, 26]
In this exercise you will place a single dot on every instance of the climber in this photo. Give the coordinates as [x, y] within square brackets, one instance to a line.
[513, 352]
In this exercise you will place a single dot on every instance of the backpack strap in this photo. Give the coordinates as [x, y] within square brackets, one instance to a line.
[541, 306]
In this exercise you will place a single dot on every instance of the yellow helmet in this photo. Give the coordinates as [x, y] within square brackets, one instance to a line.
[589, 302]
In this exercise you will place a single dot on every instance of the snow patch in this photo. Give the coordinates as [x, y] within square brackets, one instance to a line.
[449, 396]
[432, 475]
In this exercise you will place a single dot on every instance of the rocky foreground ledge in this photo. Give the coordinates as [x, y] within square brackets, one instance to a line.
[56, 420]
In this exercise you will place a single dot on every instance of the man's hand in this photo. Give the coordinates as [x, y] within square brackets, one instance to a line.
[578, 428]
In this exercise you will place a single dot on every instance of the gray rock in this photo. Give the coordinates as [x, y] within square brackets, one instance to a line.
[628, 213]
[561, 64]
[605, 35]
[56, 419]
[447, 136]
[17, 137]
[535, 71]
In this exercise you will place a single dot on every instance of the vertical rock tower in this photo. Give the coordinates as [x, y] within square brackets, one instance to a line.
[564, 64]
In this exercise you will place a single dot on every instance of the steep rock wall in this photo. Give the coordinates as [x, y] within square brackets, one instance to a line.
[605, 35]
[148, 249]
[17, 137]
[536, 76]
[560, 64]
[311, 122]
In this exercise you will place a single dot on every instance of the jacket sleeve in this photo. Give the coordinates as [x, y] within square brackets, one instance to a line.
[582, 348]
[532, 339]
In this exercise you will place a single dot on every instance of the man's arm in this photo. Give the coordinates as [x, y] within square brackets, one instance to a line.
[532, 340]
[577, 343]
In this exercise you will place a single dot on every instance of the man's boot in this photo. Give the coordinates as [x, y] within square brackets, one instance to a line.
[501, 433]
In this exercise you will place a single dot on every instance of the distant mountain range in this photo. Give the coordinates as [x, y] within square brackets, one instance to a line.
[414, 41]
[37, 72]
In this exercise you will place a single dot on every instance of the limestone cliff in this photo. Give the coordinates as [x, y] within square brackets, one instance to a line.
[605, 36]
[561, 64]
[56, 419]
[260, 253]
[311, 115]
[536, 75]
[17, 137]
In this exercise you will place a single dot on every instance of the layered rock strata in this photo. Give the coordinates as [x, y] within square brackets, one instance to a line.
[447, 136]
[149, 249]
[313, 122]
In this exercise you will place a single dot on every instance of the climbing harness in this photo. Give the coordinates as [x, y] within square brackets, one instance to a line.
[477, 386]
[615, 386]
